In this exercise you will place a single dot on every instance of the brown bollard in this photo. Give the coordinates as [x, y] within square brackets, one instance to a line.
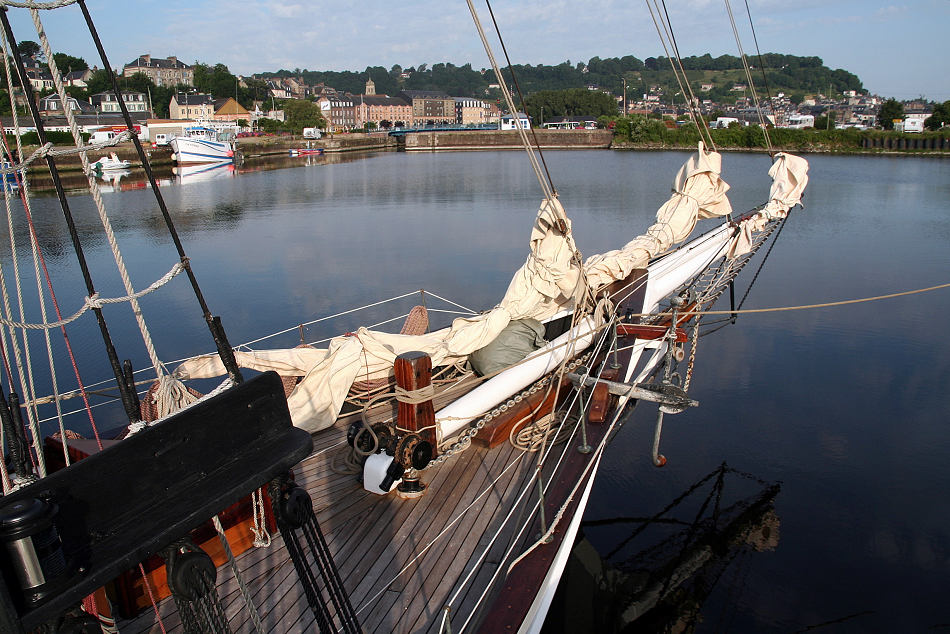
[415, 422]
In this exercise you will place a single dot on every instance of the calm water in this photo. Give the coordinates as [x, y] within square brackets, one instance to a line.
[847, 407]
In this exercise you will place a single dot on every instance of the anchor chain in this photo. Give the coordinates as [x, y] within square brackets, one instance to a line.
[464, 440]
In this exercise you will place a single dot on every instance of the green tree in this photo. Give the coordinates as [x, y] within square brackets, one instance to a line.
[940, 116]
[98, 82]
[890, 110]
[67, 63]
[300, 114]
[216, 80]
[28, 48]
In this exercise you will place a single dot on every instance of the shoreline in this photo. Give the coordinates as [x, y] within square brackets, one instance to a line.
[256, 149]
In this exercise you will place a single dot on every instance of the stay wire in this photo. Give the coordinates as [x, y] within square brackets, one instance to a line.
[514, 79]
[666, 35]
[748, 74]
[755, 39]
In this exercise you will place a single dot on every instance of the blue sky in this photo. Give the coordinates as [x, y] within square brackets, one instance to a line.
[898, 49]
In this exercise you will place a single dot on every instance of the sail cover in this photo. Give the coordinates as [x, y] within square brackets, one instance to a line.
[698, 192]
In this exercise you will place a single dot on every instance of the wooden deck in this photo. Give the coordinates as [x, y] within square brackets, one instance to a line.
[405, 562]
[402, 561]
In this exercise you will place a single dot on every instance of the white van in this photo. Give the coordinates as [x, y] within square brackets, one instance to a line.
[102, 136]
[311, 133]
[162, 140]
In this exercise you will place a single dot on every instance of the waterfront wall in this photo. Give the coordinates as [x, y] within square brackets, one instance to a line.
[503, 140]
[906, 143]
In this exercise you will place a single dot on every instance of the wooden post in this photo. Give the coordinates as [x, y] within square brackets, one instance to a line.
[415, 422]
[413, 371]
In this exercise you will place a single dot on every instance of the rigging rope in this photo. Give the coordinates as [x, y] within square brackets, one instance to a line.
[97, 195]
[546, 187]
[748, 74]
[27, 383]
[666, 34]
[844, 302]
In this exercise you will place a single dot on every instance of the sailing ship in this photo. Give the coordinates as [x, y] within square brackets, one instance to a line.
[391, 482]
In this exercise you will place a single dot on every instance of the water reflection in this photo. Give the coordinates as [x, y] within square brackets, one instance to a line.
[41, 184]
[662, 568]
[203, 171]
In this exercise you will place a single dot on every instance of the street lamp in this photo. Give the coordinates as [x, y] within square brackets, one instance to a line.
[624, 80]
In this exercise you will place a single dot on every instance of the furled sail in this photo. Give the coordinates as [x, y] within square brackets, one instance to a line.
[698, 192]
[549, 281]
[789, 177]
[546, 282]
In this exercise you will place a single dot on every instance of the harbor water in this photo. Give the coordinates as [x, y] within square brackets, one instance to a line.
[844, 407]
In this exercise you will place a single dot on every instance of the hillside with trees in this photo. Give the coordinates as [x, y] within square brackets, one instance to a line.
[790, 74]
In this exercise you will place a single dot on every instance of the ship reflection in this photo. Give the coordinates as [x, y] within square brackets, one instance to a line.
[203, 171]
[661, 569]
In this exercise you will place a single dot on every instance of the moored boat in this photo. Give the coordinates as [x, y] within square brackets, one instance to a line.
[316, 151]
[110, 163]
[202, 144]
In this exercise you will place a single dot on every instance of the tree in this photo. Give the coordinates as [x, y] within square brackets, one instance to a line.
[940, 116]
[890, 110]
[300, 114]
[67, 63]
[99, 82]
[28, 48]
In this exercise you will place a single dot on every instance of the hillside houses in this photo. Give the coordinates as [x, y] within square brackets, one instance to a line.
[162, 71]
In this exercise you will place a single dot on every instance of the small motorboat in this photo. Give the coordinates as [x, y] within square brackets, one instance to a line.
[111, 162]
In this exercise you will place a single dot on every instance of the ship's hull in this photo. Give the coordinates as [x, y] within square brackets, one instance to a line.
[200, 151]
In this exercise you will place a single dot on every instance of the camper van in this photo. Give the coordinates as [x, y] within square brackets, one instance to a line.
[311, 133]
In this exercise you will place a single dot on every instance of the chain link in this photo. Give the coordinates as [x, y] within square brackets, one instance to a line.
[464, 440]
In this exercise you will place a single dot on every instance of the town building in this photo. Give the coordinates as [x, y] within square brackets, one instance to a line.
[78, 78]
[430, 107]
[191, 105]
[230, 110]
[106, 102]
[469, 111]
[342, 112]
[380, 110]
[40, 80]
[51, 105]
[163, 72]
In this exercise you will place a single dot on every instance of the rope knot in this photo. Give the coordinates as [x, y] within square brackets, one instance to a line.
[415, 397]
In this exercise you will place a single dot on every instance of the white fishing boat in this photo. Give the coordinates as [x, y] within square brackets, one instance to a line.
[203, 144]
[428, 480]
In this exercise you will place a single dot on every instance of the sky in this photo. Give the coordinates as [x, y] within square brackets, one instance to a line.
[897, 49]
